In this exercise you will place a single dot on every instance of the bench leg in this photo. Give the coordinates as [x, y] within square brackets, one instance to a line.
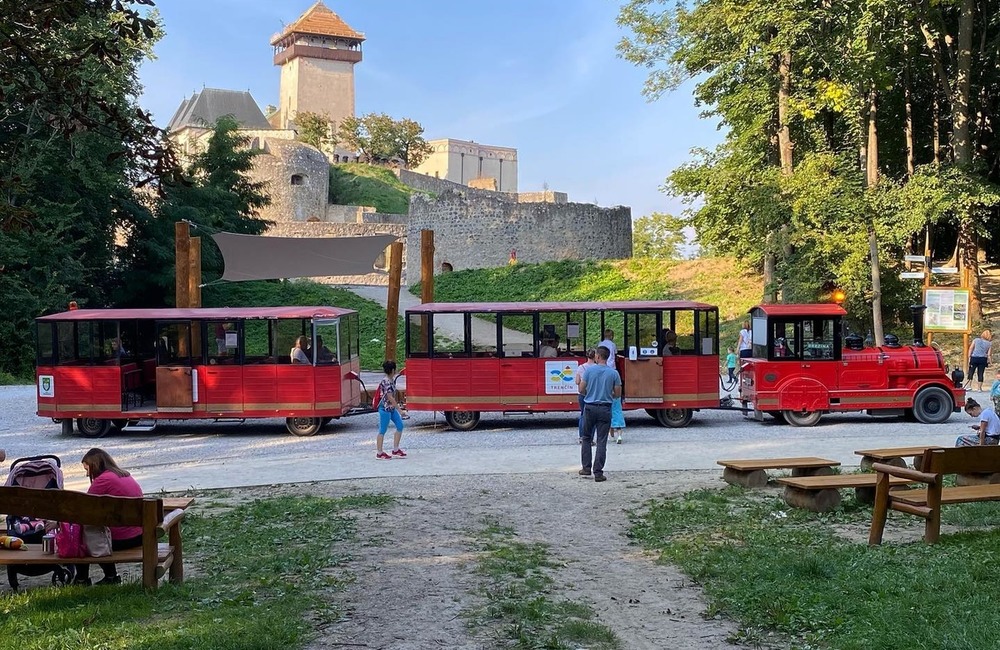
[814, 500]
[752, 479]
[812, 471]
[177, 566]
[880, 510]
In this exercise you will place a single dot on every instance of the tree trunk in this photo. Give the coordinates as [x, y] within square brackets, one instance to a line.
[908, 112]
[871, 180]
[785, 149]
[936, 136]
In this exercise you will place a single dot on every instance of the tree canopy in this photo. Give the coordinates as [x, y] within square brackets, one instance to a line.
[380, 138]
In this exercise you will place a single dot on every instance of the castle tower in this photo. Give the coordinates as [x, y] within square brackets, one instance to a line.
[317, 54]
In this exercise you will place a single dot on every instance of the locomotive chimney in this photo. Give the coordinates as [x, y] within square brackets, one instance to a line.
[918, 324]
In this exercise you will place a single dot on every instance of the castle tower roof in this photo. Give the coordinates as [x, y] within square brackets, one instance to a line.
[318, 20]
[204, 108]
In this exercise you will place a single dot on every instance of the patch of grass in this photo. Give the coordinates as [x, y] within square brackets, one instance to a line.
[8, 379]
[716, 281]
[790, 571]
[361, 184]
[519, 605]
[277, 293]
[262, 568]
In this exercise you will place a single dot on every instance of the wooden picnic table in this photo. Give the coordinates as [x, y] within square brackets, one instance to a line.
[892, 455]
[750, 472]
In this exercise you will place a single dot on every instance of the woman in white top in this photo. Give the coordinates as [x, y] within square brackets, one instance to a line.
[979, 356]
[298, 353]
[744, 343]
[988, 428]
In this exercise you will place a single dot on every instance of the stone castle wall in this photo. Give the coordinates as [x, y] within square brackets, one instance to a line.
[547, 196]
[320, 229]
[439, 185]
[298, 180]
[476, 231]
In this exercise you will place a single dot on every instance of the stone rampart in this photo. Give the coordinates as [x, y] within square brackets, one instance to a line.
[439, 185]
[321, 229]
[547, 196]
[346, 213]
[476, 231]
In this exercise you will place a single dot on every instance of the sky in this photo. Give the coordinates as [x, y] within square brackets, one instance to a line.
[541, 76]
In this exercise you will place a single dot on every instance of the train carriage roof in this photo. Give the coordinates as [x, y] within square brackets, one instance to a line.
[815, 309]
[624, 305]
[210, 313]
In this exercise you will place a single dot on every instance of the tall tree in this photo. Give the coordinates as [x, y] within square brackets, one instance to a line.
[379, 138]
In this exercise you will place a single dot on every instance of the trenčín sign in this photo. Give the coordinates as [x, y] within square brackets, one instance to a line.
[560, 378]
[947, 310]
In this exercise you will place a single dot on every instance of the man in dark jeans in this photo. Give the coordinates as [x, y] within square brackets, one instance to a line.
[599, 385]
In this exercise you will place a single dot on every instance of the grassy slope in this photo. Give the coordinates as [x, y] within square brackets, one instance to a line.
[715, 281]
[276, 294]
[361, 184]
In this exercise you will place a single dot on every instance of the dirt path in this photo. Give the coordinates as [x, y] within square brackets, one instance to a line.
[411, 591]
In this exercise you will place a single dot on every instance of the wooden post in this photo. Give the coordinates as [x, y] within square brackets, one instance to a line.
[392, 304]
[194, 272]
[426, 266]
[182, 266]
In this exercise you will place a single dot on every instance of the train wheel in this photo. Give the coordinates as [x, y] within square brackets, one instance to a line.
[93, 427]
[303, 426]
[674, 418]
[462, 420]
[802, 418]
[932, 405]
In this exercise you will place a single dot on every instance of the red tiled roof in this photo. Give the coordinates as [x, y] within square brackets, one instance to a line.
[320, 21]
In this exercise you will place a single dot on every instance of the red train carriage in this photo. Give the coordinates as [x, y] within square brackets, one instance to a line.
[106, 368]
[521, 357]
[802, 367]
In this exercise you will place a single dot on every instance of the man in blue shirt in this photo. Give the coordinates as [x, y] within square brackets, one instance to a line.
[600, 384]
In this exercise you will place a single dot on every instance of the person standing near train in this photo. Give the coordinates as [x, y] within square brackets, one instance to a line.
[599, 386]
[979, 357]
[744, 342]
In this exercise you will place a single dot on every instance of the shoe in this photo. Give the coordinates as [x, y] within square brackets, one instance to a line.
[81, 582]
[600, 478]
[593, 443]
[109, 580]
[399, 453]
[382, 456]
[584, 472]
[618, 441]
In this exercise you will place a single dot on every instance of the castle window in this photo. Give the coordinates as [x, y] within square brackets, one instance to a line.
[298, 179]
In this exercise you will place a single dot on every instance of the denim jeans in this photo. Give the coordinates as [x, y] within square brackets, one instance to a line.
[596, 420]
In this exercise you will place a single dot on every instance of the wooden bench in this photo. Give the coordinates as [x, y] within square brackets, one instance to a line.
[822, 493]
[750, 473]
[892, 456]
[155, 518]
[927, 502]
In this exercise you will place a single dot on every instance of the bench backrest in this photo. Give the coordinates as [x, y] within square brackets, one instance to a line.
[81, 508]
[962, 460]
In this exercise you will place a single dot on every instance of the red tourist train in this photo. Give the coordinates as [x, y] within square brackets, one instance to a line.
[521, 357]
[803, 366]
[109, 368]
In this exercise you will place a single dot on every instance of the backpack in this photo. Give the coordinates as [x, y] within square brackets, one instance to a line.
[377, 397]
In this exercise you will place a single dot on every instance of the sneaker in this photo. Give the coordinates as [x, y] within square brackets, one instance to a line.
[382, 456]
[399, 453]
[109, 580]
[600, 478]
[618, 441]
[584, 472]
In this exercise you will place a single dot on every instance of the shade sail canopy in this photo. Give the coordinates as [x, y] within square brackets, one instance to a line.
[251, 257]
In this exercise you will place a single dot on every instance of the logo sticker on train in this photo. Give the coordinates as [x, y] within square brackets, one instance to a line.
[560, 378]
[46, 387]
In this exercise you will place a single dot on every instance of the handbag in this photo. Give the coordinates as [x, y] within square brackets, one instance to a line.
[69, 541]
[97, 540]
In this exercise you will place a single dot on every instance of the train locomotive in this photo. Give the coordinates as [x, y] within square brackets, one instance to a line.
[803, 365]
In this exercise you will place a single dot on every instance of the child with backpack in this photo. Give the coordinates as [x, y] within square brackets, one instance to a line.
[388, 409]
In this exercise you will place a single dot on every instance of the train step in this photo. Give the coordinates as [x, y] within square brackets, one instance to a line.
[141, 425]
[231, 420]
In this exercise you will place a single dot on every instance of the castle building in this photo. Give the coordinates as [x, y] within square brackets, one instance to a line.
[317, 54]
[473, 164]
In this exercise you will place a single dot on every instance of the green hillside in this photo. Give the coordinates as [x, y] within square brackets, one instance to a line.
[715, 281]
[361, 184]
[303, 292]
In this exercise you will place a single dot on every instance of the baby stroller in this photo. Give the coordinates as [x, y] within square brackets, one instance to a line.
[35, 472]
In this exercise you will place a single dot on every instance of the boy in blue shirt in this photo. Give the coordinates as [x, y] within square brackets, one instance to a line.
[995, 392]
[731, 363]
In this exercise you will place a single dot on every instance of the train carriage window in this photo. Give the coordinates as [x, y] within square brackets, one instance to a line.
[417, 335]
[684, 329]
[517, 336]
[257, 346]
[66, 342]
[450, 336]
[758, 337]
[85, 341]
[45, 349]
[326, 350]
[576, 344]
[591, 330]
[614, 321]
[127, 341]
[355, 320]
[223, 342]
[708, 326]
[173, 344]
[287, 331]
[785, 342]
[484, 334]
[818, 338]
[552, 333]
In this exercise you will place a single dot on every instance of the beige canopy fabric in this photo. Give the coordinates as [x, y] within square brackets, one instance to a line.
[251, 257]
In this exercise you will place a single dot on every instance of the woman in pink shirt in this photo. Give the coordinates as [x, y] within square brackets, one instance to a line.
[107, 478]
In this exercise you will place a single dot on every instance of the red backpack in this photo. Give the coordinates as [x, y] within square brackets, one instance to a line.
[377, 397]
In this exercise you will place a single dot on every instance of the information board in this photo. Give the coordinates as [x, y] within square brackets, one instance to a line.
[947, 310]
